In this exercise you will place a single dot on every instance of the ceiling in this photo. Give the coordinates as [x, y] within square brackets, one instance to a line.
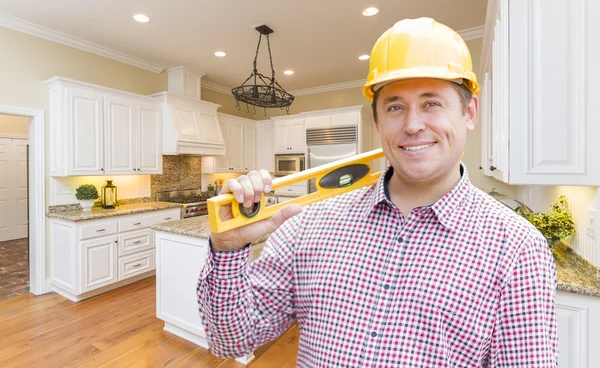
[319, 40]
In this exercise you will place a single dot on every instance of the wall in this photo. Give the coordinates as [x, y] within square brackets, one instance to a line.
[354, 97]
[227, 103]
[17, 125]
[32, 60]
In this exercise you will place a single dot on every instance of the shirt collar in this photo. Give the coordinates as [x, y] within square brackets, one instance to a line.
[444, 208]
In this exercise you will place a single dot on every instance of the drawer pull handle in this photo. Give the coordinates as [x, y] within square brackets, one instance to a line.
[137, 242]
[137, 265]
[138, 223]
[167, 218]
[100, 230]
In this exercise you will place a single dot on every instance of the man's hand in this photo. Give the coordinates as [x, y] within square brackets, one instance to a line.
[248, 189]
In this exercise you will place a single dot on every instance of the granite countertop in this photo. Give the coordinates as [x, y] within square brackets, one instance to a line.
[198, 227]
[99, 212]
[574, 274]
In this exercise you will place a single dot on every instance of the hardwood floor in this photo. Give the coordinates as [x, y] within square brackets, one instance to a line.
[115, 329]
[14, 268]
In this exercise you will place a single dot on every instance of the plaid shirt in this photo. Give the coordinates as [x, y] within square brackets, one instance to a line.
[464, 282]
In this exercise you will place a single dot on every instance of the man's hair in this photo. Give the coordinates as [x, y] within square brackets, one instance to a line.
[463, 93]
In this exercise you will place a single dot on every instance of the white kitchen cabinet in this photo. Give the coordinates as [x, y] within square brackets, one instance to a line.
[95, 256]
[265, 152]
[179, 260]
[96, 130]
[290, 135]
[578, 336]
[249, 147]
[119, 128]
[77, 146]
[239, 137]
[540, 107]
[99, 261]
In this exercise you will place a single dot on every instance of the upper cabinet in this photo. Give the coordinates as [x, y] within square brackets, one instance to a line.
[96, 130]
[538, 93]
[265, 158]
[290, 135]
[239, 136]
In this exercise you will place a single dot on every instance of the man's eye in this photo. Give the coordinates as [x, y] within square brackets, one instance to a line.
[394, 108]
[431, 104]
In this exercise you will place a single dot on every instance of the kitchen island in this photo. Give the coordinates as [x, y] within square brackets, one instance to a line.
[182, 248]
[181, 251]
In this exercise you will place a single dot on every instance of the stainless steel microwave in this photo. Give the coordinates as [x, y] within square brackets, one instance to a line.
[287, 164]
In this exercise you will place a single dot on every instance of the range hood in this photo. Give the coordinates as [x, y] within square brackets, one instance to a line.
[190, 126]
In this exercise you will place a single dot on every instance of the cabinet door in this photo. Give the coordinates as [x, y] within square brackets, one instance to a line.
[281, 137]
[149, 138]
[316, 122]
[99, 262]
[346, 119]
[297, 136]
[235, 146]
[85, 151]
[119, 133]
[222, 162]
[249, 146]
[553, 96]
[264, 146]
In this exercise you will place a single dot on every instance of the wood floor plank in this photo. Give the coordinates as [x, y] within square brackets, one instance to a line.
[115, 329]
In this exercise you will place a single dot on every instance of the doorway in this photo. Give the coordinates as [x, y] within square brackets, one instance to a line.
[14, 216]
[24, 224]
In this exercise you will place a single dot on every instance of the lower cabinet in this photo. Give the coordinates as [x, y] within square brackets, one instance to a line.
[94, 256]
[578, 333]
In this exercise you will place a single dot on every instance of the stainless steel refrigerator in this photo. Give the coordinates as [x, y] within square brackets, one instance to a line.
[326, 145]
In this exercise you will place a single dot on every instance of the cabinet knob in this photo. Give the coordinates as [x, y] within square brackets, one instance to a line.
[480, 168]
[493, 168]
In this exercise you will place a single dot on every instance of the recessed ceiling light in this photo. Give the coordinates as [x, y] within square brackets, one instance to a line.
[370, 11]
[220, 53]
[141, 18]
[288, 72]
[364, 57]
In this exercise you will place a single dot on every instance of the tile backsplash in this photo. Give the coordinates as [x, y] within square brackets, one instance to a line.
[179, 172]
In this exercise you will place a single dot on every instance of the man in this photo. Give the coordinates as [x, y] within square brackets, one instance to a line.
[420, 270]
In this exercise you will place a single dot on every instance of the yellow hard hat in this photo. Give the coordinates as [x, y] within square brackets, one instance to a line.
[420, 48]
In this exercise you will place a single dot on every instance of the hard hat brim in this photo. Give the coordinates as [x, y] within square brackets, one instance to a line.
[469, 79]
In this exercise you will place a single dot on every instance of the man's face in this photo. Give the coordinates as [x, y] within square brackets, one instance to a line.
[423, 128]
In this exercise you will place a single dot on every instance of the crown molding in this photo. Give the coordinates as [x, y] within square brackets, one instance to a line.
[215, 87]
[328, 88]
[472, 33]
[23, 26]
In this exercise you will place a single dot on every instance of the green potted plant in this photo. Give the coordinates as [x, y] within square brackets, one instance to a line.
[86, 193]
[211, 190]
[556, 224]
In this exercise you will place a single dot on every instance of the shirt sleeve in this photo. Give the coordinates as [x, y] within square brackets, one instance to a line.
[245, 306]
[526, 332]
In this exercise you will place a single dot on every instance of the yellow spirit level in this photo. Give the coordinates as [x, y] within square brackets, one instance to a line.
[332, 179]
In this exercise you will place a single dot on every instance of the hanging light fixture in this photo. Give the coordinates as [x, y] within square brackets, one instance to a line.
[259, 90]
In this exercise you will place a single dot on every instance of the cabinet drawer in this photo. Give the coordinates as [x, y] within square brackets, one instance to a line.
[135, 241]
[92, 231]
[134, 223]
[165, 216]
[135, 264]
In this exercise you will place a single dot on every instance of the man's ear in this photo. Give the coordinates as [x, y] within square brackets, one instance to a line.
[472, 113]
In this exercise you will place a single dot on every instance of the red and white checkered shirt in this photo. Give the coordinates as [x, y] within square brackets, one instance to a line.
[464, 282]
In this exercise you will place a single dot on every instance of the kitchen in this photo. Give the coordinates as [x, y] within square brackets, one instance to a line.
[163, 135]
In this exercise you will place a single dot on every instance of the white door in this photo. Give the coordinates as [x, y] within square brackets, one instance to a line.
[297, 136]
[119, 135]
[13, 188]
[149, 141]
[235, 144]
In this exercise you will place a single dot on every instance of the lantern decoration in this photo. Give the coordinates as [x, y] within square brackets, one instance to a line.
[109, 195]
